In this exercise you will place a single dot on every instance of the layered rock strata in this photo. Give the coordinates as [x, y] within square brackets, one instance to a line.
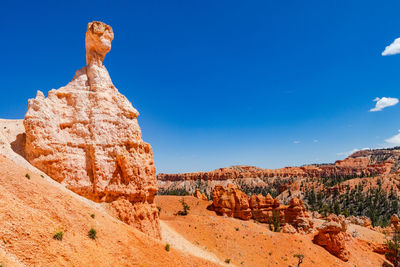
[366, 164]
[86, 136]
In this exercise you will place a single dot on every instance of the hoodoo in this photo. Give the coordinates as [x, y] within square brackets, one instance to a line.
[86, 136]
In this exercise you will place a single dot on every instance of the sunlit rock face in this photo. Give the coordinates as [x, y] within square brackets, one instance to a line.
[86, 136]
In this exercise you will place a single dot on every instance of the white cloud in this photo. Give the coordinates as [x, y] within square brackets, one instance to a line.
[392, 49]
[394, 140]
[348, 153]
[316, 141]
[384, 102]
[296, 142]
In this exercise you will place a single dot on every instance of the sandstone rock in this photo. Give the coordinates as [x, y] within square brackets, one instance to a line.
[234, 203]
[394, 221]
[263, 208]
[366, 222]
[393, 226]
[340, 220]
[331, 237]
[199, 195]
[296, 215]
[289, 229]
[86, 136]
[231, 202]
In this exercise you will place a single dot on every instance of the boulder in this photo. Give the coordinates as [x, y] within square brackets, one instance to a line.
[331, 237]
[86, 136]
[296, 215]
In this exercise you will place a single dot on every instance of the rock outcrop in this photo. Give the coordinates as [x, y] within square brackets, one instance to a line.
[331, 236]
[86, 136]
[231, 202]
[234, 203]
[362, 221]
[393, 226]
[199, 195]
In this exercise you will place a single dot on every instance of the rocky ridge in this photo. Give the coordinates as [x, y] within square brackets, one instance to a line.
[367, 163]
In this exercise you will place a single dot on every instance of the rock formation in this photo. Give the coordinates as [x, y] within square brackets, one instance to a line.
[231, 202]
[199, 195]
[332, 238]
[86, 136]
[362, 221]
[393, 226]
[234, 203]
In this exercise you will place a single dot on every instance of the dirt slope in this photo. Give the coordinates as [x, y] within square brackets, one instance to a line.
[247, 243]
[33, 209]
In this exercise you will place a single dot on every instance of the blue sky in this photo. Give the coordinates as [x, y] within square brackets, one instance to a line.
[221, 83]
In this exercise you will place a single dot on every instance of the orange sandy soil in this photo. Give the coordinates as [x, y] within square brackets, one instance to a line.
[248, 243]
[33, 210]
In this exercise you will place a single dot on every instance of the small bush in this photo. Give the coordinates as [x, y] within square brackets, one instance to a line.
[92, 233]
[42, 175]
[58, 236]
[159, 210]
[227, 261]
[300, 257]
[276, 221]
[93, 215]
[185, 208]
[167, 247]
[28, 176]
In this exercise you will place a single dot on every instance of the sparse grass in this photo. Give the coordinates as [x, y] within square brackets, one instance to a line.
[93, 215]
[167, 247]
[28, 176]
[227, 261]
[92, 233]
[58, 236]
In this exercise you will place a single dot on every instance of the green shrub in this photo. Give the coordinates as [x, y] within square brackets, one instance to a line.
[92, 215]
[159, 210]
[58, 236]
[300, 257]
[227, 261]
[394, 249]
[28, 176]
[276, 221]
[167, 247]
[92, 233]
[185, 208]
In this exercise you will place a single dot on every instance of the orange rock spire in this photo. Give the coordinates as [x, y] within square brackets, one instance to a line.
[86, 136]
